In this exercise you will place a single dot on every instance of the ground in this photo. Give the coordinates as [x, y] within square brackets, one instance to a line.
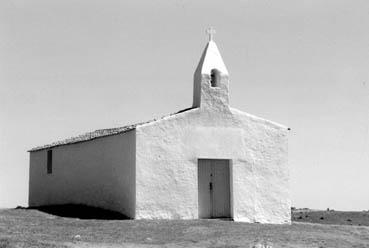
[331, 217]
[34, 228]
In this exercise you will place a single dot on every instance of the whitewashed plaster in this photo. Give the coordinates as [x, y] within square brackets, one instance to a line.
[166, 165]
[167, 152]
[99, 173]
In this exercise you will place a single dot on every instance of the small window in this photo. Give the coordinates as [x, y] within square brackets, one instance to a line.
[215, 78]
[49, 161]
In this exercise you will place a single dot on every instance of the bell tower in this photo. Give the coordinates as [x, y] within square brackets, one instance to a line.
[211, 81]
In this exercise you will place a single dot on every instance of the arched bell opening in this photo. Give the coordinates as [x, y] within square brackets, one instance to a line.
[215, 78]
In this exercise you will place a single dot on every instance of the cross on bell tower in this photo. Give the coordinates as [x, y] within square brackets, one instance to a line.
[210, 31]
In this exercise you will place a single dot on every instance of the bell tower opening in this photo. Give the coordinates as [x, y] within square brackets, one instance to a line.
[215, 78]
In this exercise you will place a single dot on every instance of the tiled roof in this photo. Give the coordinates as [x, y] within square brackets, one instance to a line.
[97, 134]
[87, 136]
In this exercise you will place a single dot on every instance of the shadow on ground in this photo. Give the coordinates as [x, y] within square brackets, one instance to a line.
[81, 212]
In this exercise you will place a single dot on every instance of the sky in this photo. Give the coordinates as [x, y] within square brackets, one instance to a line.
[69, 67]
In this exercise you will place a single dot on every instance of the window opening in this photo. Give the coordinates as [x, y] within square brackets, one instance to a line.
[49, 161]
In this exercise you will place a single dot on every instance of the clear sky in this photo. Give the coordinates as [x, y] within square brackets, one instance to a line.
[67, 67]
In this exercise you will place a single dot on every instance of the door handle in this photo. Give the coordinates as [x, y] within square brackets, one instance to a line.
[211, 186]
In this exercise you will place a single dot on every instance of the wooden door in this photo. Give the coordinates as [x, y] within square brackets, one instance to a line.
[214, 188]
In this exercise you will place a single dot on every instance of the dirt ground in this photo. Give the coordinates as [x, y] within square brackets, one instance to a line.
[33, 228]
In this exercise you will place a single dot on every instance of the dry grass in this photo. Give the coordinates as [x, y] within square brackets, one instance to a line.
[33, 228]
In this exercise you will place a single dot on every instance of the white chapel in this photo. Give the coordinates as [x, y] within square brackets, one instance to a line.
[207, 161]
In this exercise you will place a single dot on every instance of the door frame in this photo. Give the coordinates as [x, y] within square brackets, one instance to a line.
[230, 167]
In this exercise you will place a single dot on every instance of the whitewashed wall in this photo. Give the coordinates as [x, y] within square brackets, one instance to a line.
[98, 173]
[166, 164]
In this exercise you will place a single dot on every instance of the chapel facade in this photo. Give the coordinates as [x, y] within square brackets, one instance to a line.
[207, 161]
